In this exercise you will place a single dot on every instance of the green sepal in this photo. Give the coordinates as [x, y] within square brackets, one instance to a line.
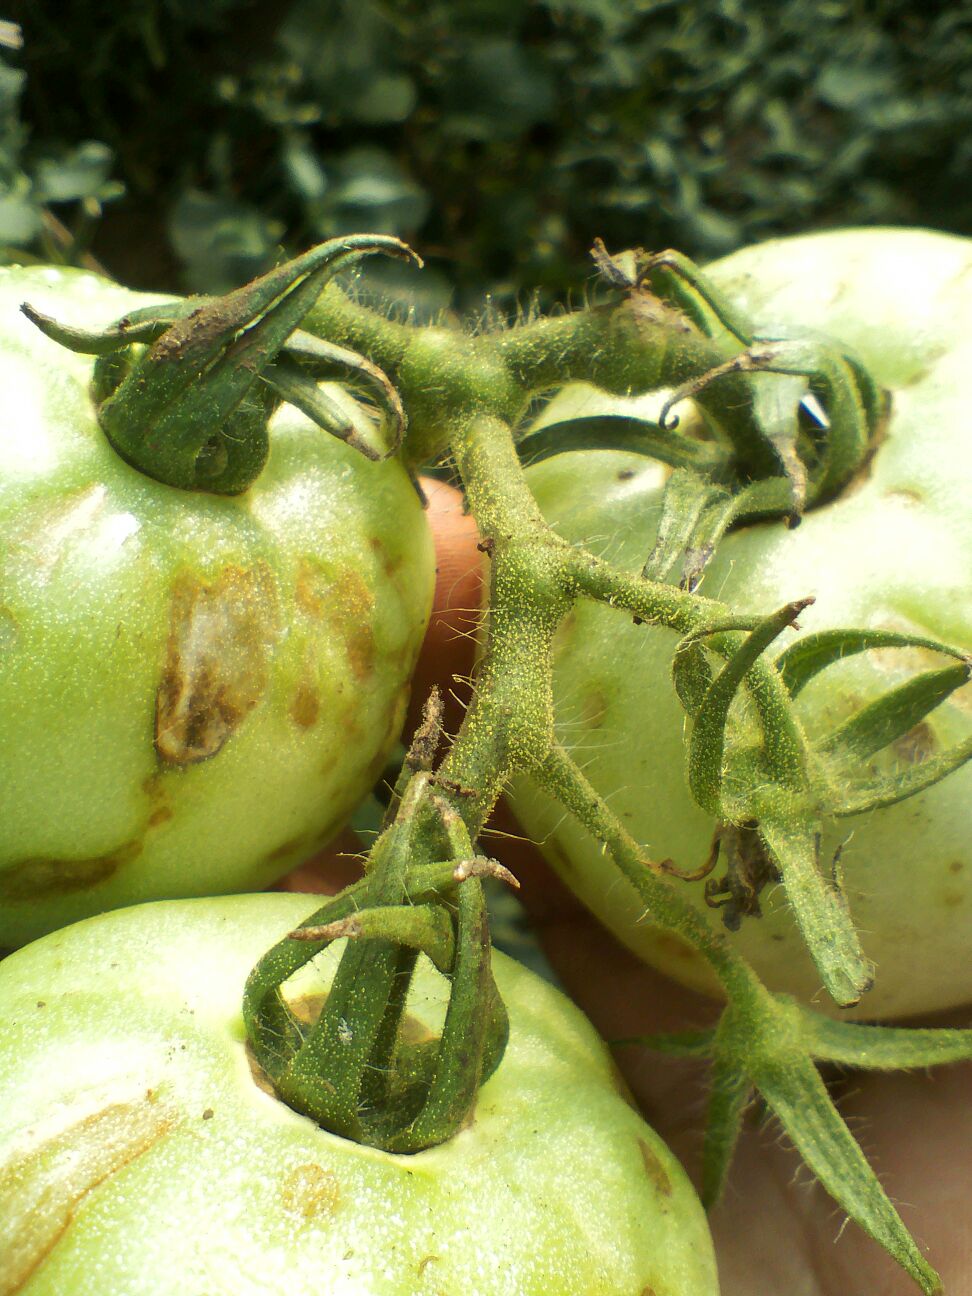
[679, 281]
[707, 744]
[892, 715]
[423, 927]
[771, 1045]
[691, 674]
[877, 793]
[795, 1093]
[879, 724]
[770, 786]
[809, 655]
[730, 1093]
[356, 1069]
[692, 509]
[819, 907]
[181, 391]
[883, 1048]
[621, 432]
[145, 325]
[674, 1043]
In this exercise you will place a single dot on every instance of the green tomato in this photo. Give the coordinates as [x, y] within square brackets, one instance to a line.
[140, 1153]
[195, 690]
[894, 551]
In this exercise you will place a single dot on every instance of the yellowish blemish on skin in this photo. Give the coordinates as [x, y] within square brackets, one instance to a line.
[311, 1192]
[42, 1189]
[344, 603]
[655, 1170]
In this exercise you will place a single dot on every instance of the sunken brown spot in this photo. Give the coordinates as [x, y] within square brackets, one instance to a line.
[217, 661]
[390, 562]
[311, 1192]
[42, 1190]
[44, 876]
[305, 707]
[654, 1169]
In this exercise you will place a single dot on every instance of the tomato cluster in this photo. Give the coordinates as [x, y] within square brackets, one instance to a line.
[196, 689]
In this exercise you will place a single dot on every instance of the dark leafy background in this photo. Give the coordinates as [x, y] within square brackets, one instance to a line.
[184, 143]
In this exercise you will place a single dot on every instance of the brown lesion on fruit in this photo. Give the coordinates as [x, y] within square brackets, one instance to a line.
[45, 876]
[221, 635]
[656, 1172]
[311, 1192]
[391, 563]
[160, 808]
[341, 600]
[42, 1189]
[305, 705]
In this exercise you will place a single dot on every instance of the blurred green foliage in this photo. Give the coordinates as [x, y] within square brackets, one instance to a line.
[184, 142]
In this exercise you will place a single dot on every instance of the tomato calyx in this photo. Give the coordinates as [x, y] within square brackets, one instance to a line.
[356, 1068]
[788, 422]
[184, 391]
[773, 1047]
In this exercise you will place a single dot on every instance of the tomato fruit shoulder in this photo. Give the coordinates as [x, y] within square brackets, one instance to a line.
[195, 690]
[140, 1154]
[894, 551]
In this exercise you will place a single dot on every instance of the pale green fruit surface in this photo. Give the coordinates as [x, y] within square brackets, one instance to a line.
[139, 1155]
[195, 691]
[895, 551]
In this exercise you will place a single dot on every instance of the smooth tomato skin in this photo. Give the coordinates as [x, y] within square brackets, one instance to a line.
[138, 1154]
[195, 690]
[895, 551]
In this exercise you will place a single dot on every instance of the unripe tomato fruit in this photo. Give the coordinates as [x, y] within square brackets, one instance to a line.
[893, 551]
[140, 1154]
[195, 690]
